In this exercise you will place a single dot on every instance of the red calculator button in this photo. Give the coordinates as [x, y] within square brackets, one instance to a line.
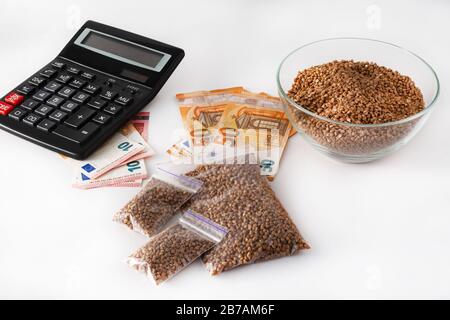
[14, 98]
[5, 108]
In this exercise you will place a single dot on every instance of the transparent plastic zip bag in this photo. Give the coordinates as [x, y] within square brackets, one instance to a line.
[237, 197]
[176, 247]
[154, 206]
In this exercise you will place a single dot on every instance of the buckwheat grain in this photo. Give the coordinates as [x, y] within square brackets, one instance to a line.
[356, 93]
[240, 199]
[152, 207]
[169, 252]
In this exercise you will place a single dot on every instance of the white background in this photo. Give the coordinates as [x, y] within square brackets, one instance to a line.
[378, 230]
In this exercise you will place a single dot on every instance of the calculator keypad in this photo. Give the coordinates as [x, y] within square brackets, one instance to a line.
[69, 101]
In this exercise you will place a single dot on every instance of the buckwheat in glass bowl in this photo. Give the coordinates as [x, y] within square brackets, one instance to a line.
[338, 135]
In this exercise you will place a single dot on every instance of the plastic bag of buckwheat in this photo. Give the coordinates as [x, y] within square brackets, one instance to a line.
[153, 207]
[259, 228]
[176, 247]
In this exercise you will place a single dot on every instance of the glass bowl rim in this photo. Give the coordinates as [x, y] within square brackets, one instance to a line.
[371, 125]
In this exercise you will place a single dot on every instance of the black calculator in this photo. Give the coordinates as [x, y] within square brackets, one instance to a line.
[95, 85]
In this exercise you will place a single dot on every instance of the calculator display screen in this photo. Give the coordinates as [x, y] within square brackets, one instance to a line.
[123, 50]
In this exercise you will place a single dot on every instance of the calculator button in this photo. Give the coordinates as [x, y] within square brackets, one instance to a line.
[25, 89]
[101, 118]
[73, 70]
[43, 110]
[89, 129]
[64, 78]
[80, 117]
[55, 101]
[58, 64]
[41, 95]
[67, 92]
[48, 73]
[91, 88]
[58, 115]
[46, 125]
[123, 100]
[97, 103]
[36, 80]
[112, 109]
[81, 97]
[5, 108]
[17, 114]
[69, 106]
[70, 134]
[31, 119]
[52, 86]
[77, 83]
[29, 104]
[14, 99]
[108, 95]
[88, 75]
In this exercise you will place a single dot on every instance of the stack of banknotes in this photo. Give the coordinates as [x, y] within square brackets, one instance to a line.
[120, 162]
[226, 123]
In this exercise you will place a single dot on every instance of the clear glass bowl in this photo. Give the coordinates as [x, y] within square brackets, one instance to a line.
[356, 143]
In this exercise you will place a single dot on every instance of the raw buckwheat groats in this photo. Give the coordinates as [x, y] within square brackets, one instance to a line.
[357, 93]
[176, 247]
[157, 202]
[240, 199]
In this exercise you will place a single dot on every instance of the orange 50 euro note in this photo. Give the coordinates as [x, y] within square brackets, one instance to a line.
[201, 112]
[253, 129]
[229, 122]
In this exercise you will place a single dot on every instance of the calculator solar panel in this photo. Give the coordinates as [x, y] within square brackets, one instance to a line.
[98, 82]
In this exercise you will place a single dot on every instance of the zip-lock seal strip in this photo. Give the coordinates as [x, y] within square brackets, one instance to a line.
[203, 226]
[178, 180]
